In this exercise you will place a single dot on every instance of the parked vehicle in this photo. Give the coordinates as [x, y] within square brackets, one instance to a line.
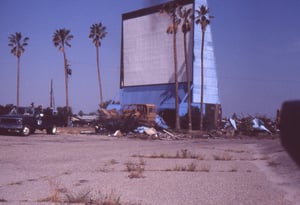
[290, 129]
[25, 120]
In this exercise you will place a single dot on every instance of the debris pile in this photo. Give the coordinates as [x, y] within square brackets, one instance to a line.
[133, 120]
[250, 126]
[141, 121]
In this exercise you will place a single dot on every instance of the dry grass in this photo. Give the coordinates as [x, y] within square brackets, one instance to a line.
[272, 163]
[136, 169]
[265, 157]
[204, 168]
[235, 151]
[81, 197]
[61, 195]
[233, 169]
[113, 162]
[16, 183]
[223, 157]
[192, 167]
[182, 154]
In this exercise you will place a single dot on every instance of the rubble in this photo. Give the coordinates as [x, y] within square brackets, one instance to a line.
[141, 121]
[250, 126]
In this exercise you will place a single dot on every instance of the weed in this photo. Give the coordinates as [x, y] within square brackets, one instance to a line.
[67, 173]
[104, 169]
[15, 183]
[188, 168]
[191, 167]
[204, 168]
[272, 163]
[136, 169]
[233, 169]
[63, 196]
[236, 151]
[179, 168]
[31, 180]
[56, 192]
[182, 154]
[113, 162]
[223, 157]
[3, 200]
[200, 157]
[81, 197]
[109, 199]
[81, 181]
[265, 157]
[142, 162]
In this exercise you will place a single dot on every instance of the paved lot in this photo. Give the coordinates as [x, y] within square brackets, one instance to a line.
[42, 169]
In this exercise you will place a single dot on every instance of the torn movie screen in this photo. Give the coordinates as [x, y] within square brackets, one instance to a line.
[147, 49]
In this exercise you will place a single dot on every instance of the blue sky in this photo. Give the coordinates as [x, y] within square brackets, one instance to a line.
[257, 49]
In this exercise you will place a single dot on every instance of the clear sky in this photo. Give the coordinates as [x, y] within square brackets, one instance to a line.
[257, 50]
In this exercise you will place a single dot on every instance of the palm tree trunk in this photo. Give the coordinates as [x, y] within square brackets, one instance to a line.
[177, 122]
[66, 86]
[18, 81]
[99, 77]
[188, 83]
[202, 82]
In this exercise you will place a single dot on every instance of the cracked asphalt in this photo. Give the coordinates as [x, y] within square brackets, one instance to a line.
[41, 168]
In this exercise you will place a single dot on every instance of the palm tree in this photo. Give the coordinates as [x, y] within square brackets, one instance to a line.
[186, 15]
[17, 45]
[170, 9]
[97, 33]
[61, 39]
[203, 19]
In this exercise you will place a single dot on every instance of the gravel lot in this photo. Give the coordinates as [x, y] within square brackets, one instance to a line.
[43, 169]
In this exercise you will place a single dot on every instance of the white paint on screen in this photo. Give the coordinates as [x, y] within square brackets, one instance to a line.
[148, 51]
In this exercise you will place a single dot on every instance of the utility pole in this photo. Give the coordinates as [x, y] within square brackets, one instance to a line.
[51, 94]
[52, 102]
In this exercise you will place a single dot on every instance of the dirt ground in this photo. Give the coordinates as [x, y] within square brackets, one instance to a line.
[70, 167]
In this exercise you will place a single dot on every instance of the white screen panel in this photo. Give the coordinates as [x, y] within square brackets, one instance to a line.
[148, 51]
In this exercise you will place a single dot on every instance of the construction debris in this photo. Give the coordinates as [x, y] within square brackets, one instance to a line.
[250, 126]
[129, 118]
[141, 120]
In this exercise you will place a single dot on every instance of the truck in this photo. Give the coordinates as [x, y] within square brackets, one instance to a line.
[25, 120]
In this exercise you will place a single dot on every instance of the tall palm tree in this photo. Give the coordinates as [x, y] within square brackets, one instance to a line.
[97, 33]
[186, 26]
[17, 45]
[61, 38]
[170, 9]
[203, 19]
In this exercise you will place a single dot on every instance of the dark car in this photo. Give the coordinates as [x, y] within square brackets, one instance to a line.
[25, 120]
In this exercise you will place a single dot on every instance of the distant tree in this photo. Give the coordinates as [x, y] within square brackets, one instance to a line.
[170, 9]
[203, 19]
[80, 113]
[17, 44]
[97, 33]
[61, 39]
[93, 113]
[186, 26]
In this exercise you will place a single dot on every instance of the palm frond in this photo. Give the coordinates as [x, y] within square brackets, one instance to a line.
[97, 33]
[17, 44]
[61, 37]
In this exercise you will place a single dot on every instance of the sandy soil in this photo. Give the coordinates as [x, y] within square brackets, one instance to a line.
[42, 169]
